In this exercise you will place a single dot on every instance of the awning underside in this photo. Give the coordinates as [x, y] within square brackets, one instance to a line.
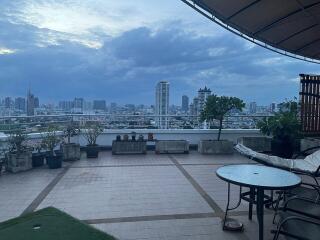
[290, 25]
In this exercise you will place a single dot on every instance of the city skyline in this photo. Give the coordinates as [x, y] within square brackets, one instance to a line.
[56, 103]
[120, 57]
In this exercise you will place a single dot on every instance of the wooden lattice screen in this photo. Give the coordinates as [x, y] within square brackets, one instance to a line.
[310, 104]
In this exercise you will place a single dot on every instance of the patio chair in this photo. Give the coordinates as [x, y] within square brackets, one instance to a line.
[298, 219]
[309, 166]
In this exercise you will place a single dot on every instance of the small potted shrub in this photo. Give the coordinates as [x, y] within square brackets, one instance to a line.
[216, 108]
[284, 128]
[91, 133]
[19, 157]
[133, 136]
[71, 151]
[50, 141]
[38, 156]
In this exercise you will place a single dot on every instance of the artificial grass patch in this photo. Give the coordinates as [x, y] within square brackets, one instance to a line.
[49, 224]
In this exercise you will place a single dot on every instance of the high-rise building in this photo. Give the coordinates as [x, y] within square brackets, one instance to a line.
[162, 104]
[66, 105]
[203, 94]
[99, 105]
[273, 107]
[20, 104]
[185, 103]
[7, 102]
[30, 104]
[36, 102]
[130, 107]
[195, 109]
[78, 104]
[253, 107]
[113, 108]
[87, 105]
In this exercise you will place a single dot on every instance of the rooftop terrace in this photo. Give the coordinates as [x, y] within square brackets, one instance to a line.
[136, 196]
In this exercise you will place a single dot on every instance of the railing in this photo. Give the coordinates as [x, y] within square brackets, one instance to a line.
[124, 121]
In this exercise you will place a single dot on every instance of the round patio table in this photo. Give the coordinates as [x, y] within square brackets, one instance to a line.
[258, 179]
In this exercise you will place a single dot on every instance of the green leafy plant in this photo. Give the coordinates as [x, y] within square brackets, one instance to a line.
[51, 139]
[284, 126]
[217, 107]
[17, 142]
[71, 130]
[91, 132]
[35, 145]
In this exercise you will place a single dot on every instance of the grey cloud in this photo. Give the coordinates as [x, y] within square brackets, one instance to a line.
[127, 68]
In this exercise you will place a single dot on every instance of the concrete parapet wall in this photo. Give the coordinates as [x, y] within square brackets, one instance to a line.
[193, 136]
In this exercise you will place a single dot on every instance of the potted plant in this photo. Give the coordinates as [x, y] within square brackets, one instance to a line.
[38, 156]
[216, 108]
[50, 141]
[284, 127]
[91, 133]
[71, 151]
[19, 157]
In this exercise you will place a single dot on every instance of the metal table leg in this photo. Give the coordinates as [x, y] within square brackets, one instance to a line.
[228, 223]
[260, 206]
[252, 197]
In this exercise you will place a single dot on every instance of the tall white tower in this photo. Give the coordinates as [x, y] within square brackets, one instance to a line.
[162, 104]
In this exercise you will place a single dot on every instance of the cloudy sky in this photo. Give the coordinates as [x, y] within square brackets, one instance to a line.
[119, 50]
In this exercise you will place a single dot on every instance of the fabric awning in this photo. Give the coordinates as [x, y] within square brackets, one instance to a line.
[290, 27]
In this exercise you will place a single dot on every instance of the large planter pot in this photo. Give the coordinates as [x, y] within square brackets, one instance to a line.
[215, 147]
[129, 147]
[172, 146]
[38, 159]
[284, 149]
[258, 144]
[71, 152]
[17, 162]
[54, 161]
[92, 151]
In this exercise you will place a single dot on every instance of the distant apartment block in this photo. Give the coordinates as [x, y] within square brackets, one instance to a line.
[162, 104]
[30, 104]
[36, 102]
[199, 102]
[203, 94]
[20, 104]
[253, 107]
[113, 108]
[99, 105]
[7, 102]
[194, 107]
[66, 105]
[273, 107]
[78, 104]
[185, 103]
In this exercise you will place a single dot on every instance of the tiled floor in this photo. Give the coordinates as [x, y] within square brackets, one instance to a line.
[17, 191]
[134, 197]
